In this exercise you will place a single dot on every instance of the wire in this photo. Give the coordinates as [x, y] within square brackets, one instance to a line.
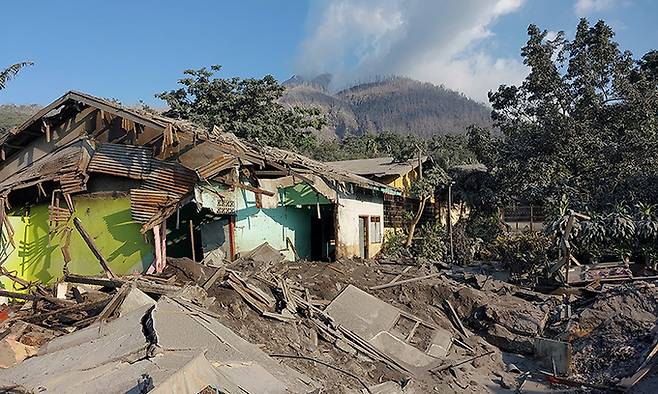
[326, 365]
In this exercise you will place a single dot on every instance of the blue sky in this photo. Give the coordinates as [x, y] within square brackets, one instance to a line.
[131, 50]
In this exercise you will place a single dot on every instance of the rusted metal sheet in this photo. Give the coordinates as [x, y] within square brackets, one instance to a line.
[144, 203]
[216, 166]
[62, 165]
[170, 177]
[122, 160]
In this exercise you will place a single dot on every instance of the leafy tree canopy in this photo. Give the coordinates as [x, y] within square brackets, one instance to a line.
[249, 108]
[583, 123]
[10, 72]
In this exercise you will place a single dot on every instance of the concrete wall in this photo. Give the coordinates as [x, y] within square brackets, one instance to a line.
[350, 207]
[108, 222]
[253, 226]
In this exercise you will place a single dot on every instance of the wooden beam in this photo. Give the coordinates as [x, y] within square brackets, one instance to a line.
[191, 241]
[253, 189]
[94, 249]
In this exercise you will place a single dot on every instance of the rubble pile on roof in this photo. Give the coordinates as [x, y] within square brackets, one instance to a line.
[165, 156]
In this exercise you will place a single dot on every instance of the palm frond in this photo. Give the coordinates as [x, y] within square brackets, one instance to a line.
[11, 71]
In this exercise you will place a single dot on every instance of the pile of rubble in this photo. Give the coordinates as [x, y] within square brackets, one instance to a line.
[262, 324]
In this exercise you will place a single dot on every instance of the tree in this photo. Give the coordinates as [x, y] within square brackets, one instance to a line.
[423, 188]
[249, 108]
[10, 72]
[582, 124]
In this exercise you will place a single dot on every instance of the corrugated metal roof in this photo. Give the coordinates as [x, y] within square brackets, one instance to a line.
[122, 160]
[63, 165]
[379, 166]
[170, 177]
[144, 203]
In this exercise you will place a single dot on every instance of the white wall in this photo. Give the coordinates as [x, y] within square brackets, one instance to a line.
[350, 207]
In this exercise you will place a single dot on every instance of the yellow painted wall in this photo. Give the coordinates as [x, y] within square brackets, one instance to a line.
[404, 182]
[108, 222]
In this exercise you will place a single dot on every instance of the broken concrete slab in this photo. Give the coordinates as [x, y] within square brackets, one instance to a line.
[134, 300]
[387, 328]
[222, 346]
[156, 346]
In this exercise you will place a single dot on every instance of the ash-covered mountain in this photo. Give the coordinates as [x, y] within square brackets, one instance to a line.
[397, 104]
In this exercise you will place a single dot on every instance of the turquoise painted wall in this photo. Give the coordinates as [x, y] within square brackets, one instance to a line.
[254, 226]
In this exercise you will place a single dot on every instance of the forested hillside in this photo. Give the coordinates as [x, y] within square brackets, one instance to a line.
[13, 115]
[402, 105]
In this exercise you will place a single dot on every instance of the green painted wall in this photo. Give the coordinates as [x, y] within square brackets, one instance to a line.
[108, 222]
[301, 194]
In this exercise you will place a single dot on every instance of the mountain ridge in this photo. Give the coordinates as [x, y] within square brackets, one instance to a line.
[397, 104]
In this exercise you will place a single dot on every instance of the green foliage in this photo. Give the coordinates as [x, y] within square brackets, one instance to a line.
[249, 108]
[623, 233]
[10, 72]
[393, 242]
[582, 124]
[431, 242]
[483, 225]
[523, 253]
[483, 146]
[426, 186]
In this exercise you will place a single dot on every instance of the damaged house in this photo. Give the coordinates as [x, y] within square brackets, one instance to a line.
[86, 180]
[398, 175]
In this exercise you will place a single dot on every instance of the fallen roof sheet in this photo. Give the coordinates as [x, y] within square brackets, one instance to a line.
[388, 329]
[65, 165]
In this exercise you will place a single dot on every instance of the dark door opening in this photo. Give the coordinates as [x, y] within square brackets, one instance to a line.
[323, 233]
[363, 237]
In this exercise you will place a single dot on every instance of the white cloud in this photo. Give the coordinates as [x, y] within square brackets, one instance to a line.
[430, 40]
[585, 7]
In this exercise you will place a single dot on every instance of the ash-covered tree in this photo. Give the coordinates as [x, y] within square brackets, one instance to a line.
[424, 188]
[249, 108]
[584, 122]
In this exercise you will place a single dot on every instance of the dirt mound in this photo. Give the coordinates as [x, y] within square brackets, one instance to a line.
[613, 334]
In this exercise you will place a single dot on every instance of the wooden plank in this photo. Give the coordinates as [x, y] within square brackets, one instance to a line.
[94, 249]
[387, 285]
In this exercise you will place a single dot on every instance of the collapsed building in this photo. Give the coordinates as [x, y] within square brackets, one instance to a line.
[399, 175]
[86, 179]
[152, 255]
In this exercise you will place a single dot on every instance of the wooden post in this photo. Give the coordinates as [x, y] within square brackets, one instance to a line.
[92, 246]
[231, 237]
[567, 247]
[452, 249]
[192, 239]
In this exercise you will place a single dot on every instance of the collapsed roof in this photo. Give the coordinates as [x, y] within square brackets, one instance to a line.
[79, 134]
[378, 166]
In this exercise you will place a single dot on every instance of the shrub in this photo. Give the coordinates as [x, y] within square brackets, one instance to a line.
[393, 242]
[431, 242]
[524, 254]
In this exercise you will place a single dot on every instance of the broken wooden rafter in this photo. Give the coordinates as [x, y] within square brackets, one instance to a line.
[146, 287]
[410, 280]
[34, 297]
[94, 249]
[256, 190]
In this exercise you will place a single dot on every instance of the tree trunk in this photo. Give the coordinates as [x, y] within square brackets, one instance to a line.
[414, 222]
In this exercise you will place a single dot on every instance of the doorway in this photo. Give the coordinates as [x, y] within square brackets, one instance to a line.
[363, 237]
